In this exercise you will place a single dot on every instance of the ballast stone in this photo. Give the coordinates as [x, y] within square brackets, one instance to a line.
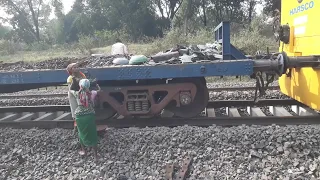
[224, 95]
[142, 153]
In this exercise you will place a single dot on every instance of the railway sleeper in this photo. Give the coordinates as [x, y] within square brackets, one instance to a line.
[231, 112]
[278, 111]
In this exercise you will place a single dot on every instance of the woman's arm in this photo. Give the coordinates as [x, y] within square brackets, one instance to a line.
[99, 89]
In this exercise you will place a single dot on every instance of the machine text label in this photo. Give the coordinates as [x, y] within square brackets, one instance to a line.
[303, 7]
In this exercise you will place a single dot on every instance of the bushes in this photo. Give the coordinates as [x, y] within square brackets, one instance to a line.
[256, 36]
[86, 44]
[7, 47]
[251, 41]
[252, 38]
[104, 38]
[175, 36]
[38, 46]
[107, 38]
[101, 39]
[248, 38]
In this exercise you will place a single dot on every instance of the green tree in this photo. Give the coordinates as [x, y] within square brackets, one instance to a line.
[271, 6]
[135, 17]
[187, 11]
[27, 17]
[226, 10]
[4, 30]
[55, 28]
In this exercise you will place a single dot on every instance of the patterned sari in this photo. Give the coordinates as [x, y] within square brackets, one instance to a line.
[85, 119]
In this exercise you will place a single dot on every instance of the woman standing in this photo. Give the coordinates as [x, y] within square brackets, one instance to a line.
[74, 75]
[85, 116]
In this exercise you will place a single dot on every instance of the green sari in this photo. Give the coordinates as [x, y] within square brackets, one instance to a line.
[87, 129]
[85, 118]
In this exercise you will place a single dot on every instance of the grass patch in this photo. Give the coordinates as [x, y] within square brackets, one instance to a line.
[36, 56]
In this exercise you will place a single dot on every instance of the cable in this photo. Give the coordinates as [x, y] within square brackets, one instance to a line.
[261, 86]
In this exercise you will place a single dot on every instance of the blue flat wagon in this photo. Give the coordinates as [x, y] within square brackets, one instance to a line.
[146, 90]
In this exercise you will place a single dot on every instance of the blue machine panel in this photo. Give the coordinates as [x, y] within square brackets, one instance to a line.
[222, 35]
[216, 68]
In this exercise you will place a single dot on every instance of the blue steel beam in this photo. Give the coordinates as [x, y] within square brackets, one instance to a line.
[216, 68]
[222, 35]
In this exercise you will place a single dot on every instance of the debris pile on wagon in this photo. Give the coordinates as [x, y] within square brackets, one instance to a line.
[178, 55]
[56, 63]
[190, 54]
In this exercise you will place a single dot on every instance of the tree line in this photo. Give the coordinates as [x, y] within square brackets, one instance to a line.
[135, 19]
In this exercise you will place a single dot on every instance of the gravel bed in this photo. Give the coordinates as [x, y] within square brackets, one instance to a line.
[245, 95]
[224, 95]
[34, 101]
[231, 95]
[64, 89]
[266, 111]
[60, 90]
[220, 112]
[243, 111]
[288, 108]
[237, 84]
[242, 152]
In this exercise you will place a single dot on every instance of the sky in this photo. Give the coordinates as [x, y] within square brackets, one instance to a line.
[67, 4]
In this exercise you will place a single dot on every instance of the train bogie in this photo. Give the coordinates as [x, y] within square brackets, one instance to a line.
[184, 97]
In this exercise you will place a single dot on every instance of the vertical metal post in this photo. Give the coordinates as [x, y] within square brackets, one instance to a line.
[226, 49]
[222, 36]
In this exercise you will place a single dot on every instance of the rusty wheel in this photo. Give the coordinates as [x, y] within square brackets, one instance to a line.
[197, 105]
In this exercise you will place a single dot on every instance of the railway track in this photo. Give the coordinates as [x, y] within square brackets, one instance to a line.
[236, 112]
[219, 89]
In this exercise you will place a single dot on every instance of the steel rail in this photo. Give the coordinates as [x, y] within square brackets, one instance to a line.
[220, 89]
[255, 119]
[211, 104]
[247, 88]
[173, 122]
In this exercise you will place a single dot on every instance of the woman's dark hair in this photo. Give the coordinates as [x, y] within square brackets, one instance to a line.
[118, 40]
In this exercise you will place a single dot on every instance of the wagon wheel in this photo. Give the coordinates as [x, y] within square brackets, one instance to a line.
[199, 103]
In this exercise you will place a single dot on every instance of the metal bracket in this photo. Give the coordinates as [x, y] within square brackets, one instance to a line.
[184, 169]
[182, 173]
[169, 171]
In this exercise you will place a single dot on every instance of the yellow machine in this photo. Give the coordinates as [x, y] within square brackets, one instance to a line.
[300, 37]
